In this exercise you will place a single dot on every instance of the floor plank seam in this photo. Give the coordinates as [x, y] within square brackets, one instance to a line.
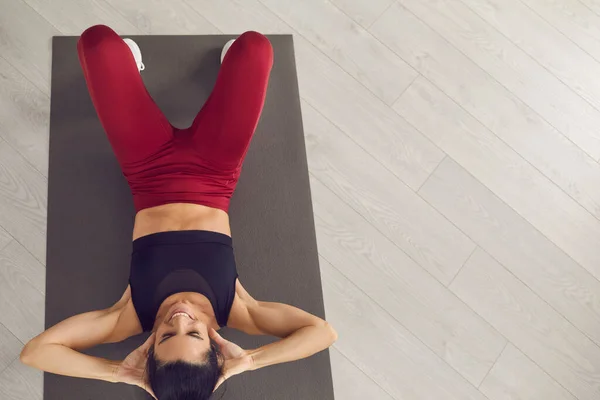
[43, 91]
[524, 159]
[200, 14]
[535, 60]
[507, 269]
[391, 105]
[41, 16]
[494, 363]
[369, 153]
[315, 48]
[539, 297]
[477, 247]
[361, 370]
[380, 15]
[513, 95]
[377, 229]
[525, 354]
[431, 173]
[386, 312]
[589, 8]
[558, 30]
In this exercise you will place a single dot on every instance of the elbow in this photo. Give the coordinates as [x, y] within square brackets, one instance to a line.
[331, 332]
[28, 353]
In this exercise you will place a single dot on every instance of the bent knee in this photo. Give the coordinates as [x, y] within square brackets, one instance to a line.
[256, 43]
[96, 34]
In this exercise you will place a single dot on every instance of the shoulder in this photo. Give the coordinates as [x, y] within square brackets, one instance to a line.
[242, 294]
[127, 322]
[240, 317]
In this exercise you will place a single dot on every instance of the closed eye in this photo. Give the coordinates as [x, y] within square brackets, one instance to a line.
[168, 335]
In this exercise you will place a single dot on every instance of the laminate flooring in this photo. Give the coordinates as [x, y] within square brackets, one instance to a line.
[453, 149]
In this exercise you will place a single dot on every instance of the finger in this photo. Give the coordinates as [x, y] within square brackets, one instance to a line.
[216, 337]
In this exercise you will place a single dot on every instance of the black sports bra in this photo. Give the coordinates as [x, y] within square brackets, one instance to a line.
[166, 263]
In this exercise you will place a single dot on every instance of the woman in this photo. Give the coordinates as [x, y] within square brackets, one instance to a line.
[183, 282]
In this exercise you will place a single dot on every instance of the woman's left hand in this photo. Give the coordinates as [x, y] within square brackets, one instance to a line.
[237, 360]
[132, 369]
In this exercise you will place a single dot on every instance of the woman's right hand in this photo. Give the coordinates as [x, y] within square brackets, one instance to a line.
[132, 370]
[236, 359]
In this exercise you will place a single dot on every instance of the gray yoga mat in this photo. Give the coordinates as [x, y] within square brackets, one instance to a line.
[90, 210]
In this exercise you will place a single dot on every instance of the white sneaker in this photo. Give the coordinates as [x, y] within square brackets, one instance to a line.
[137, 53]
[225, 48]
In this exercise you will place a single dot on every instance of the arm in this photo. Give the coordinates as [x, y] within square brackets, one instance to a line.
[302, 334]
[55, 350]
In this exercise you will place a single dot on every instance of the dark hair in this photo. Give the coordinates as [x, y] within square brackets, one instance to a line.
[182, 380]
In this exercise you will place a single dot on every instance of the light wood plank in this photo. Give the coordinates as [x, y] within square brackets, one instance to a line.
[10, 347]
[525, 252]
[19, 382]
[516, 377]
[348, 44]
[249, 15]
[5, 238]
[548, 46]
[567, 165]
[27, 50]
[363, 12]
[382, 348]
[24, 116]
[73, 17]
[574, 19]
[23, 199]
[531, 324]
[517, 245]
[593, 5]
[492, 104]
[157, 17]
[30, 269]
[365, 119]
[350, 383]
[351, 107]
[21, 301]
[408, 293]
[513, 68]
[514, 181]
[384, 201]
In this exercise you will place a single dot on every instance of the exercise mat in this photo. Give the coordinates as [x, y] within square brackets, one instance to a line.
[90, 210]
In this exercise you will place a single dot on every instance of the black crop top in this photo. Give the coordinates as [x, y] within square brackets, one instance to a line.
[166, 263]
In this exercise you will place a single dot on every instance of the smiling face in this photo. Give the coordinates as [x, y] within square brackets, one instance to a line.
[181, 334]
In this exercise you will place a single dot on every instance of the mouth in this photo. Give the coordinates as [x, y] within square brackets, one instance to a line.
[180, 310]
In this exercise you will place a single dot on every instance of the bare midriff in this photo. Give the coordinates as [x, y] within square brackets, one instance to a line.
[180, 217]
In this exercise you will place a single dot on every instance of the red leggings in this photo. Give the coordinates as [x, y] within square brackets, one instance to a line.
[163, 164]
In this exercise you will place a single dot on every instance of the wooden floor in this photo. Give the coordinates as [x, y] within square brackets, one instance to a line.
[453, 149]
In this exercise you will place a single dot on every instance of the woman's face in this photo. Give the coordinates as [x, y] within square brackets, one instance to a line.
[181, 335]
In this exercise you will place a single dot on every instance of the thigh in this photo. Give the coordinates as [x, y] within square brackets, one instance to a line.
[135, 126]
[222, 130]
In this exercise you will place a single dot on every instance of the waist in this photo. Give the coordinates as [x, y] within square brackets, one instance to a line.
[179, 238]
[180, 217]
